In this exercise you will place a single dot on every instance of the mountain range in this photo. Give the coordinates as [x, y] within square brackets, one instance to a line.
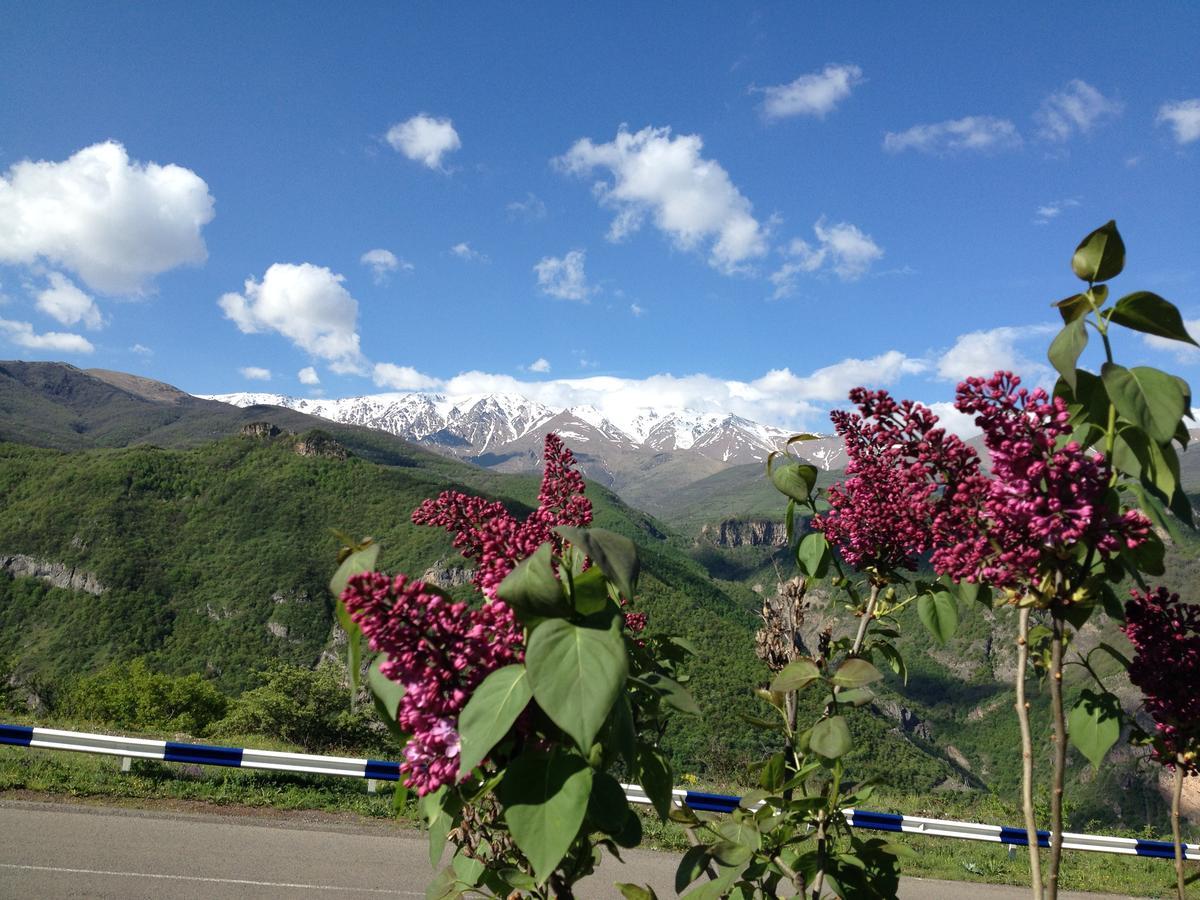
[643, 454]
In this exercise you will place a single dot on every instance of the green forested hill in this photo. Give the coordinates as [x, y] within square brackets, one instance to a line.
[215, 559]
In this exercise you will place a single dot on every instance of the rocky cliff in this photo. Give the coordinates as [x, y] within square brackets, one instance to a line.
[59, 575]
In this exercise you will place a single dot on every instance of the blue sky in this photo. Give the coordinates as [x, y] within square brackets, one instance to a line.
[747, 207]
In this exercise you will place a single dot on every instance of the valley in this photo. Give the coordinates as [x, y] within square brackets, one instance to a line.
[137, 521]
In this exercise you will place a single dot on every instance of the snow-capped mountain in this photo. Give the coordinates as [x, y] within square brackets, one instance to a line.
[505, 431]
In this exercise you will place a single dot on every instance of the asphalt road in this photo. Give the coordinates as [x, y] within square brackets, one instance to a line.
[52, 850]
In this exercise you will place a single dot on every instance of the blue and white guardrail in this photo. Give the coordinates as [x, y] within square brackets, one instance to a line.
[379, 770]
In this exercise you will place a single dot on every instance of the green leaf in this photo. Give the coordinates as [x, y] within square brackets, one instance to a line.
[353, 642]
[691, 867]
[974, 592]
[1149, 556]
[1094, 725]
[466, 869]
[623, 733]
[615, 554]
[894, 659]
[774, 772]
[830, 738]
[388, 692]
[656, 779]
[1148, 398]
[590, 591]
[490, 713]
[789, 521]
[607, 806]
[1151, 314]
[795, 480]
[576, 673]
[856, 673]
[796, 676]
[1066, 348]
[855, 697]
[740, 832]
[1073, 307]
[939, 615]
[533, 589]
[439, 820]
[1101, 255]
[1138, 456]
[354, 564]
[674, 694]
[545, 800]
[813, 554]
[635, 891]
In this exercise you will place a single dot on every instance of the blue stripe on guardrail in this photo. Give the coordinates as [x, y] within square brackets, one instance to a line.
[712, 802]
[1018, 837]
[204, 754]
[382, 771]
[1158, 849]
[877, 821]
[20, 735]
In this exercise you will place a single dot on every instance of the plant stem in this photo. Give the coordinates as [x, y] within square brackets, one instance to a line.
[1060, 752]
[866, 619]
[819, 880]
[1176, 831]
[1035, 865]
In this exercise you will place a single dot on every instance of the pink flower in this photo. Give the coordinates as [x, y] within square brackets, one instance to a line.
[486, 532]
[441, 650]
[1166, 635]
[1045, 494]
[901, 466]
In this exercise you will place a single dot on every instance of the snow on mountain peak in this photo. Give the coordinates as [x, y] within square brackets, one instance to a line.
[483, 423]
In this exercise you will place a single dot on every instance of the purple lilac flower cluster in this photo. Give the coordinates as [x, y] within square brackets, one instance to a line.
[902, 469]
[441, 650]
[1044, 495]
[486, 532]
[1165, 634]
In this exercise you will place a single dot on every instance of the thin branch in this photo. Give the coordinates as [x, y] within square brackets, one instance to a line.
[1176, 831]
[1060, 753]
[1035, 865]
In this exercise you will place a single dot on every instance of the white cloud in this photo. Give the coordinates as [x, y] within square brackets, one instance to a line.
[985, 134]
[255, 373]
[541, 364]
[114, 222]
[848, 251]
[464, 251]
[690, 198]
[308, 375]
[383, 262]
[403, 378]
[955, 422]
[424, 139]
[983, 352]
[531, 208]
[563, 277]
[1076, 108]
[811, 95]
[141, 350]
[306, 304]
[63, 301]
[779, 397]
[23, 335]
[1053, 210]
[1184, 117]
[637, 311]
[1184, 353]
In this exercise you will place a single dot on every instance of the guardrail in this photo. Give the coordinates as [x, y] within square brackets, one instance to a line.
[379, 770]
